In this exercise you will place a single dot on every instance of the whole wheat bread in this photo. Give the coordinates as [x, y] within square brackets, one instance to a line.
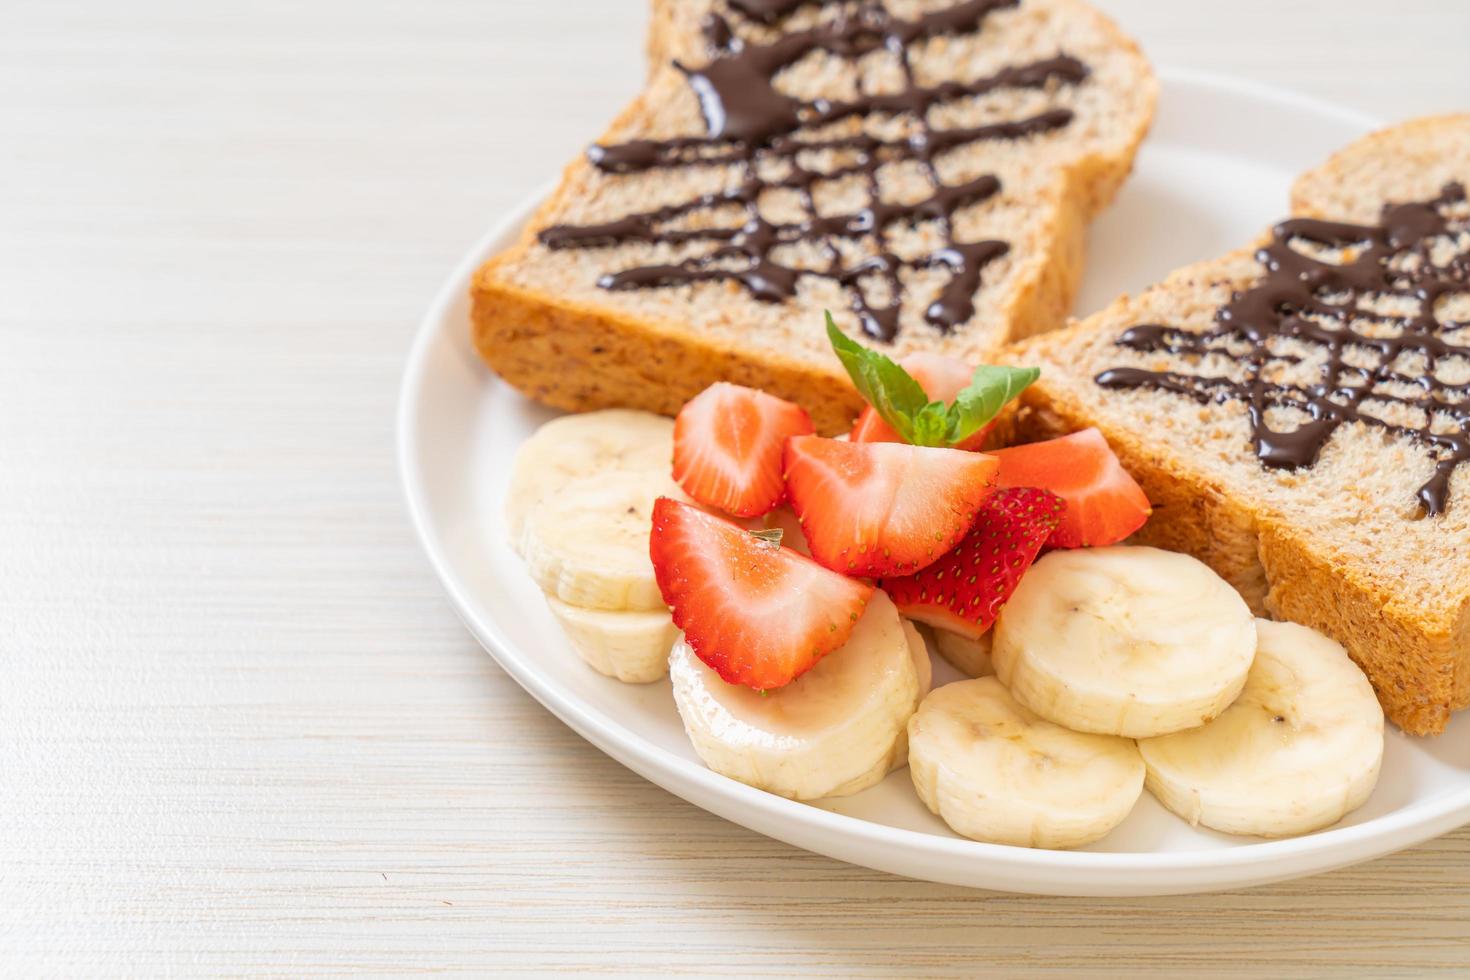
[543, 323]
[1360, 544]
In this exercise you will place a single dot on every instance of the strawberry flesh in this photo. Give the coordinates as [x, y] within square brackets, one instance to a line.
[942, 378]
[758, 614]
[963, 591]
[727, 447]
[883, 508]
[1104, 503]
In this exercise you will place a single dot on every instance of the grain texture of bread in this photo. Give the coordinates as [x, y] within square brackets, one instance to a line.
[544, 324]
[1342, 545]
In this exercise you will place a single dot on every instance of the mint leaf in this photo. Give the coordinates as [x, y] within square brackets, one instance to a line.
[990, 388]
[896, 397]
[931, 425]
[900, 401]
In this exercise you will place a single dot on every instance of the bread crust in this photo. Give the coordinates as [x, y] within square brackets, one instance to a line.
[581, 358]
[1409, 161]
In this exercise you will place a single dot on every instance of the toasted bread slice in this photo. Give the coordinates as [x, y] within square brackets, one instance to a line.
[959, 185]
[1367, 539]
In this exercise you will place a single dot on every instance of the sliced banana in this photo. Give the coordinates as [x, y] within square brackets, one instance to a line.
[919, 650]
[924, 674]
[1299, 749]
[573, 448]
[835, 730]
[970, 657]
[632, 646]
[1124, 641]
[995, 771]
[587, 544]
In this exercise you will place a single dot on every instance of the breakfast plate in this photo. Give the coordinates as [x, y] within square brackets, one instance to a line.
[1214, 170]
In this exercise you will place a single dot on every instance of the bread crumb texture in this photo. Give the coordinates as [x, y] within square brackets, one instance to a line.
[544, 324]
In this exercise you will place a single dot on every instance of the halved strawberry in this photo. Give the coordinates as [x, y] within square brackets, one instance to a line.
[963, 591]
[941, 378]
[758, 614]
[1104, 503]
[883, 508]
[727, 447]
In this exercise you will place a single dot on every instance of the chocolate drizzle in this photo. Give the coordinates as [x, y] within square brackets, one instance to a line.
[1321, 303]
[752, 125]
[767, 11]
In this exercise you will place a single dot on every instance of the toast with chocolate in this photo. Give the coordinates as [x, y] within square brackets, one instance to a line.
[1299, 411]
[925, 170]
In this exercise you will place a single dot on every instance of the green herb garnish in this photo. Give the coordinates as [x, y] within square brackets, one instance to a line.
[900, 401]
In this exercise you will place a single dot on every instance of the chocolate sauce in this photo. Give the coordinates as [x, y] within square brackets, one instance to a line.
[766, 11]
[750, 124]
[1319, 302]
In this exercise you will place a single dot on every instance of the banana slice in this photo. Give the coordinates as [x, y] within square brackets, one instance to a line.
[1124, 641]
[631, 646]
[919, 650]
[924, 674]
[587, 544]
[970, 657]
[1298, 750]
[995, 771]
[835, 730]
[573, 448]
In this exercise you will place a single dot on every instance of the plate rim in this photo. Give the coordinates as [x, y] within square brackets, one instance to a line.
[1251, 863]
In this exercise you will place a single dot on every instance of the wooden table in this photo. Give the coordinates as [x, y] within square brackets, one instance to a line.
[240, 729]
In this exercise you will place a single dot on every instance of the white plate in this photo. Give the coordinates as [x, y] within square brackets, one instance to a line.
[1213, 173]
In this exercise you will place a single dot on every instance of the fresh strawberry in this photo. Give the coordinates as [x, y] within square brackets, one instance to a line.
[756, 613]
[964, 590]
[1104, 503]
[883, 508]
[727, 447]
[942, 378]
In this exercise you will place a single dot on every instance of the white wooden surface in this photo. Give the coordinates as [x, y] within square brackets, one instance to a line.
[240, 731]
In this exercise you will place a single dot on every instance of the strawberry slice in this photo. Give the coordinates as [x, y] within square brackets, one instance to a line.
[756, 613]
[1104, 503]
[727, 447]
[883, 508]
[963, 591]
[942, 378]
